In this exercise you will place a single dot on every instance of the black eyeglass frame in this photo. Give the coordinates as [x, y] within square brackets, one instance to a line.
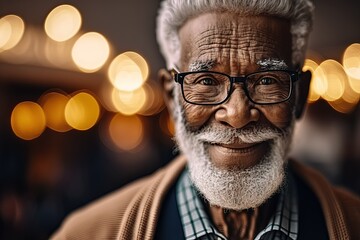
[179, 78]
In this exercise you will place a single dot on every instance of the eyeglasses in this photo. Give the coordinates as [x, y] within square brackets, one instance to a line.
[213, 88]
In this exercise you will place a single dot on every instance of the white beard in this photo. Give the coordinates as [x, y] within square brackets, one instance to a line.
[236, 189]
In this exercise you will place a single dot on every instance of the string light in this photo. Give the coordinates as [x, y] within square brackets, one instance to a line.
[28, 120]
[126, 132]
[53, 104]
[82, 111]
[62, 23]
[90, 52]
[12, 28]
[128, 71]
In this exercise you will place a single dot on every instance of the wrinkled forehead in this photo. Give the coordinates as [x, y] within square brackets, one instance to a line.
[227, 39]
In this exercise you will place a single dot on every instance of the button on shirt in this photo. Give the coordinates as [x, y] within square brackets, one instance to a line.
[283, 225]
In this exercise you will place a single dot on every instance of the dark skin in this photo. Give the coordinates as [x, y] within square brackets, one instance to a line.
[234, 44]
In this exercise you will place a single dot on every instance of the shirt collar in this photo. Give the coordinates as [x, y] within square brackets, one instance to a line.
[198, 225]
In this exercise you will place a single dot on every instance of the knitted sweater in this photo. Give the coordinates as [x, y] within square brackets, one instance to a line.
[132, 212]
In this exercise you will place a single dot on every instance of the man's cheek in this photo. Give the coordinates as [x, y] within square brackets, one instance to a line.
[196, 116]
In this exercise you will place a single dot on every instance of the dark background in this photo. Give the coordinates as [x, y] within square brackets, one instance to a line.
[42, 180]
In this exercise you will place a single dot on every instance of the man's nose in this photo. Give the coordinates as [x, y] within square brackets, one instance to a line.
[237, 111]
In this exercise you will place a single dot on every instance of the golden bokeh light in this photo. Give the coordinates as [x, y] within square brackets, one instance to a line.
[319, 82]
[154, 102]
[351, 60]
[90, 52]
[350, 96]
[62, 23]
[141, 62]
[351, 63]
[355, 84]
[128, 103]
[166, 124]
[343, 106]
[53, 104]
[12, 30]
[126, 132]
[128, 71]
[28, 120]
[311, 66]
[82, 111]
[335, 77]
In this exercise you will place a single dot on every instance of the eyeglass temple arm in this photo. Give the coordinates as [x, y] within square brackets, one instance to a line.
[174, 71]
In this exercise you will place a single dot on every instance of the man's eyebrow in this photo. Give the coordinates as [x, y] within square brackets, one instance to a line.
[202, 65]
[272, 64]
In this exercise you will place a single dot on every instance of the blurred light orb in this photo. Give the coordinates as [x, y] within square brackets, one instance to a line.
[128, 103]
[62, 23]
[128, 71]
[319, 82]
[351, 60]
[351, 63]
[12, 30]
[343, 106]
[54, 104]
[154, 102]
[126, 132]
[90, 52]
[311, 66]
[166, 123]
[355, 84]
[28, 120]
[82, 111]
[335, 77]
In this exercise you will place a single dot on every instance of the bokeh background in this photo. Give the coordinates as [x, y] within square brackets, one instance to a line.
[81, 111]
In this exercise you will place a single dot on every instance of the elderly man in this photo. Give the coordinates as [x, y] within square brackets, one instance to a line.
[234, 88]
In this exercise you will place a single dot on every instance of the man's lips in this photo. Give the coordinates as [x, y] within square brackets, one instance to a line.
[239, 147]
[238, 155]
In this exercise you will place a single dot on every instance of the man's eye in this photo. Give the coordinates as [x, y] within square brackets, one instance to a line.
[207, 81]
[267, 81]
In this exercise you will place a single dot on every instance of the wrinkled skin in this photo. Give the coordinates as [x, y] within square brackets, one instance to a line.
[234, 45]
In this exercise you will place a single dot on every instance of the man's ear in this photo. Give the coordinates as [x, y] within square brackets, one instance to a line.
[167, 84]
[303, 92]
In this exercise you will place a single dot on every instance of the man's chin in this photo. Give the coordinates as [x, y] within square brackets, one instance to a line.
[239, 189]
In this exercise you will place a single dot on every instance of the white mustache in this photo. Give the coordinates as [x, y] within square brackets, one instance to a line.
[223, 135]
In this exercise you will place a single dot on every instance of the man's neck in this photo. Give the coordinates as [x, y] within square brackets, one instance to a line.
[245, 224]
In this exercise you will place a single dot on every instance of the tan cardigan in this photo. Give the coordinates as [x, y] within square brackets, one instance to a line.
[132, 212]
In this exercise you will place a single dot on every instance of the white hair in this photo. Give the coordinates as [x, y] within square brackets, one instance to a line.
[174, 13]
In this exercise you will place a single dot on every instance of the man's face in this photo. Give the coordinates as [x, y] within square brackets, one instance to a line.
[235, 150]
[237, 46]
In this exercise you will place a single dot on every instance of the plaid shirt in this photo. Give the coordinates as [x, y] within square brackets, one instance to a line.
[283, 225]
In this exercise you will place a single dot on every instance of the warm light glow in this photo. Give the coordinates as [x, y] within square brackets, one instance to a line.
[351, 60]
[126, 132]
[351, 63]
[62, 23]
[90, 52]
[335, 77]
[128, 71]
[319, 82]
[311, 66]
[350, 96]
[28, 120]
[140, 61]
[54, 105]
[129, 103]
[11, 31]
[82, 111]
[355, 84]
[343, 106]
[166, 124]
[154, 102]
